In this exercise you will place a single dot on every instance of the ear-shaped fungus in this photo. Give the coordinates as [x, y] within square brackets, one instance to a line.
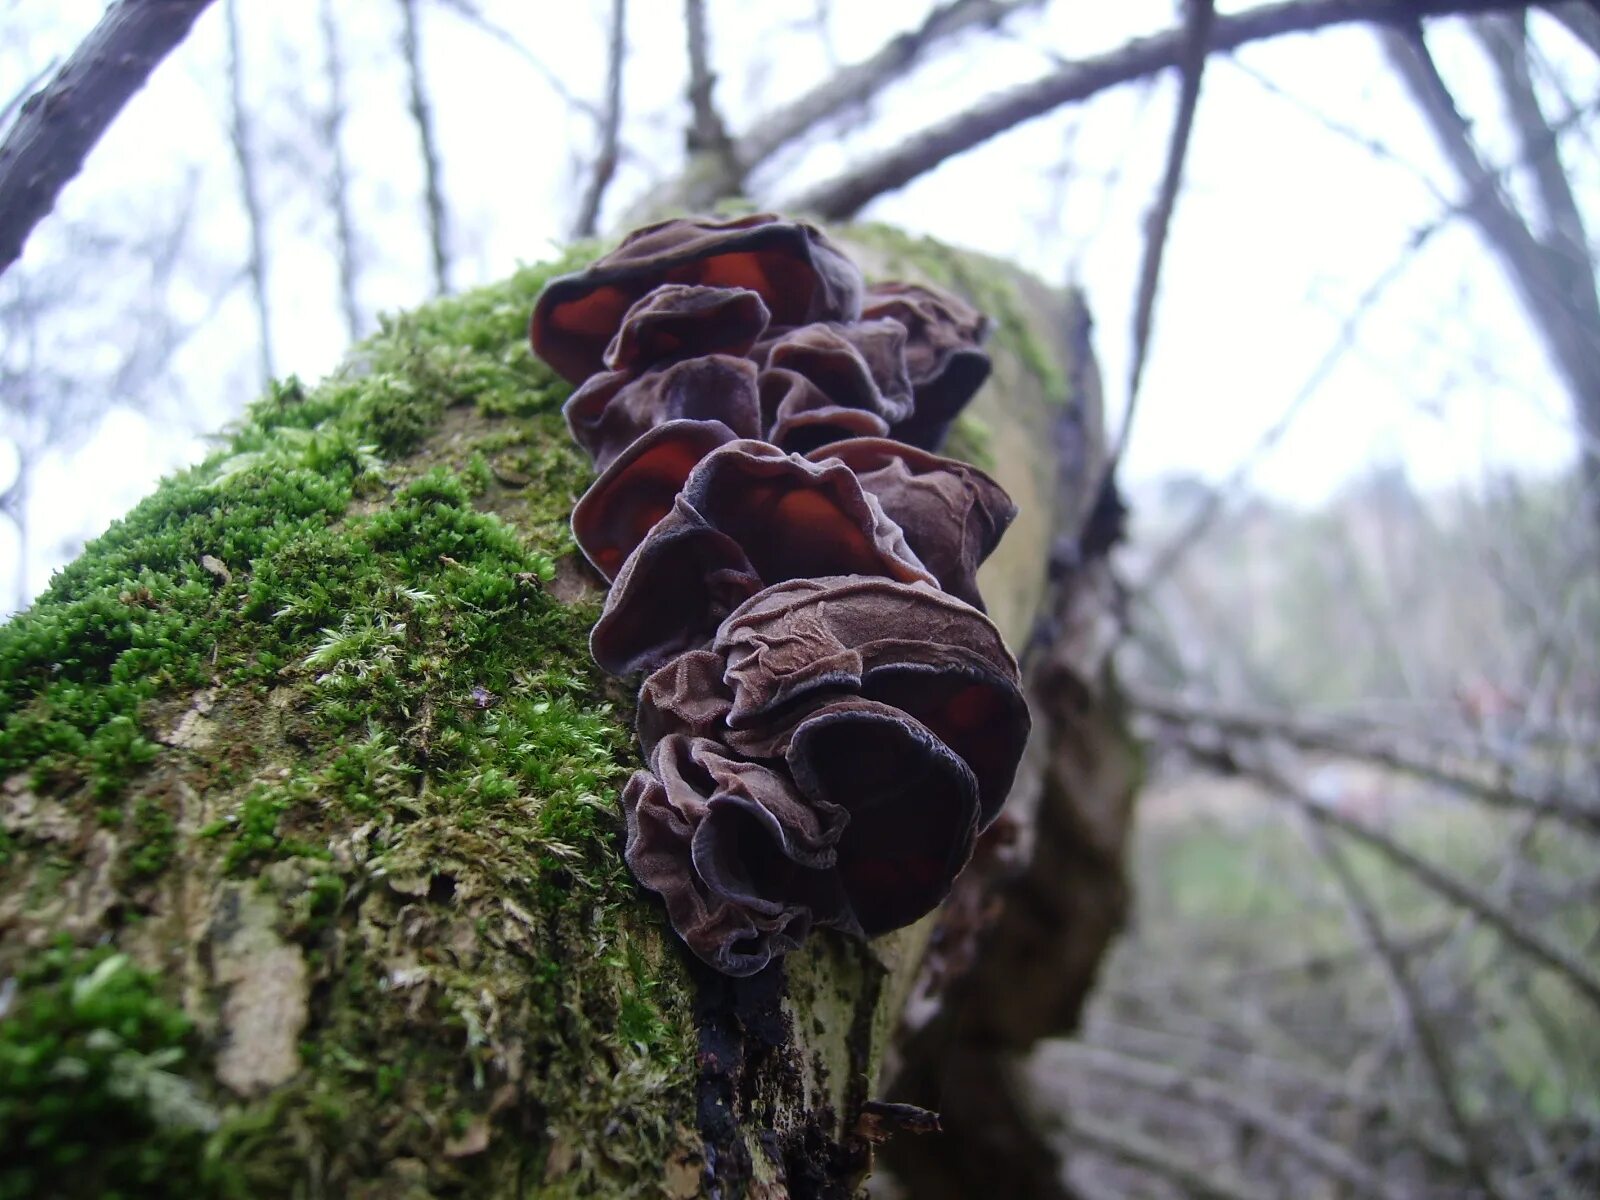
[943, 355]
[953, 514]
[678, 320]
[639, 487]
[912, 647]
[799, 274]
[744, 865]
[822, 383]
[614, 408]
[830, 719]
[748, 516]
[912, 805]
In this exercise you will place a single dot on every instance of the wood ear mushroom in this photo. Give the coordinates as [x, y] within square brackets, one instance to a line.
[829, 718]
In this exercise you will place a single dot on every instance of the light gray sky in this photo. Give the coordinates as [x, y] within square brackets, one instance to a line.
[1283, 225]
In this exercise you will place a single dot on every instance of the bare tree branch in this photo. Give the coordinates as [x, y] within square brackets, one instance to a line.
[1555, 280]
[856, 84]
[32, 85]
[845, 195]
[1581, 20]
[605, 166]
[1408, 1005]
[1545, 797]
[1163, 562]
[1202, 14]
[472, 15]
[1516, 932]
[422, 116]
[339, 184]
[1138, 1150]
[707, 133]
[244, 159]
[1207, 1094]
[58, 126]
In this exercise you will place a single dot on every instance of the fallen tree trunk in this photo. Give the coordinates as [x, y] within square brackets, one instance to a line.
[310, 879]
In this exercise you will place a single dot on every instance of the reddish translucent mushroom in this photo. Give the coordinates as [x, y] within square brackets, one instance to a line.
[799, 274]
[953, 514]
[944, 355]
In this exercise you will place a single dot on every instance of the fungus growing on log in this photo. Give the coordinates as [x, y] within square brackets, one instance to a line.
[829, 719]
[799, 274]
[944, 355]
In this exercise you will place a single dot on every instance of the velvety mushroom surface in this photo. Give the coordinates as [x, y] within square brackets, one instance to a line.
[829, 719]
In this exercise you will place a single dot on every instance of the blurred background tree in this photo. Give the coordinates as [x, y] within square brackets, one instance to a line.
[1342, 263]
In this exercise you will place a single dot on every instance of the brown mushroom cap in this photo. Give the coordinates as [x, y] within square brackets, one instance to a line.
[687, 697]
[802, 644]
[744, 865]
[953, 514]
[944, 356]
[678, 320]
[803, 417]
[748, 516]
[912, 805]
[609, 412]
[799, 274]
[853, 370]
[639, 488]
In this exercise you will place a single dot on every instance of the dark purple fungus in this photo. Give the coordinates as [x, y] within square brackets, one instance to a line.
[638, 488]
[944, 356]
[679, 320]
[911, 647]
[912, 805]
[853, 372]
[748, 516]
[953, 514]
[613, 409]
[830, 719]
[798, 273]
[744, 866]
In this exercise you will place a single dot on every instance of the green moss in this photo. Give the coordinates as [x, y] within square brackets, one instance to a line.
[393, 694]
[971, 440]
[153, 837]
[91, 1104]
[987, 283]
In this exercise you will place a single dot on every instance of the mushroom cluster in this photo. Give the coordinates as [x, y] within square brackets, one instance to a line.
[828, 715]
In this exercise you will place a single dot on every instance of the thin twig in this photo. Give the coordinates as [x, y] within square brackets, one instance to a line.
[846, 194]
[1141, 1151]
[1201, 14]
[605, 166]
[249, 191]
[1163, 561]
[1219, 1097]
[1408, 1004]
[1563, 962]
[856, 84]
[1546, 798]
[422, 117]
[707, 133]
[339, 182]
[470, 13]
[1554, 281]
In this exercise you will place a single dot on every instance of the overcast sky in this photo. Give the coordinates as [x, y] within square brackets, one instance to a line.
[1284, 223]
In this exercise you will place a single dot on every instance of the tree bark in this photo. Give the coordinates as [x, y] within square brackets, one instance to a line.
[58, 126]
[311, 849]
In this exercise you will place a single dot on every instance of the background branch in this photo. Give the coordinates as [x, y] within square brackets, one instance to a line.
[58, 126]
[845, 195]
[605, 165]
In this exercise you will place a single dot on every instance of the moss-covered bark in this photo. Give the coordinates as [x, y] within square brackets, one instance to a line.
[309, 870]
